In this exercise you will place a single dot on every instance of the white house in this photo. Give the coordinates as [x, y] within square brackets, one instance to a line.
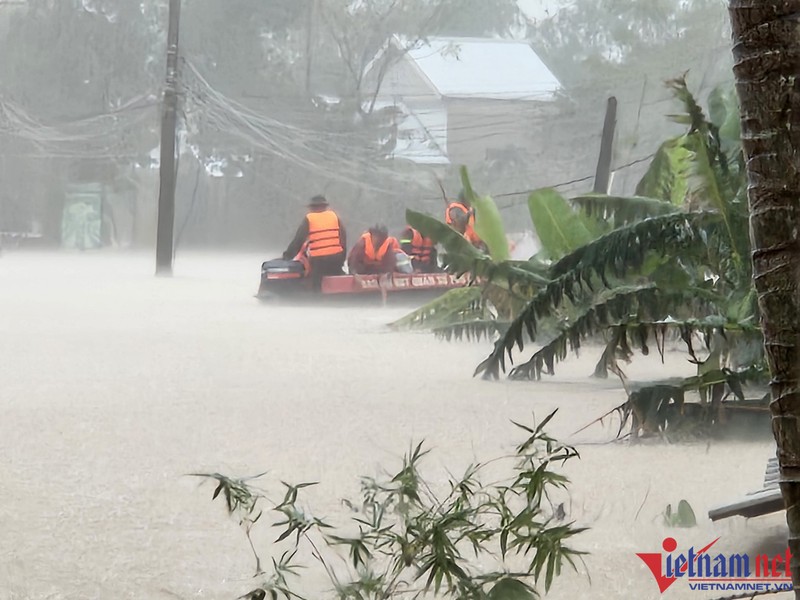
[457, 99]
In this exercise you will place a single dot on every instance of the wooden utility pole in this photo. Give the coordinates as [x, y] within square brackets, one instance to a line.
[167, 168]
[602, 177]
[309, 43]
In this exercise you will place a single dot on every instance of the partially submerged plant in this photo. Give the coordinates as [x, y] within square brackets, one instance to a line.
[474, 541]
[683, 517]
[668, 264]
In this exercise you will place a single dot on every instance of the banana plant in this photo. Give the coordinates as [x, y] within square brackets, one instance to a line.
[670, 262]
[674, 263]
[486, 307]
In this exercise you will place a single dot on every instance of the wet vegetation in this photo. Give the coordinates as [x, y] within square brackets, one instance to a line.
[634, 273]
[407, 537]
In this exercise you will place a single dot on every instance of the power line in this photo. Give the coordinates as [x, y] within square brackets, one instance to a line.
[561, 184]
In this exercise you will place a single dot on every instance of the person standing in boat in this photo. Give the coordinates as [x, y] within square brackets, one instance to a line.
[324, 237]
[374, 253]
[420, 249]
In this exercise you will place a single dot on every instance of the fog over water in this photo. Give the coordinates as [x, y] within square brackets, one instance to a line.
[116, 384]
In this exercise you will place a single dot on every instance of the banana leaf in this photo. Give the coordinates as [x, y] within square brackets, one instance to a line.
[488, 223]
[489, 227]
[441, 233]
[458, 305]
[560, 229]
[717, 106]
[668, 174]
[622, 210]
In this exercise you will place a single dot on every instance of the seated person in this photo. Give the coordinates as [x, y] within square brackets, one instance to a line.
[374, 253]
[420, 249]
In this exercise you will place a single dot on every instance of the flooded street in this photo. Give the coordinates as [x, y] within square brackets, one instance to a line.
[116, 384]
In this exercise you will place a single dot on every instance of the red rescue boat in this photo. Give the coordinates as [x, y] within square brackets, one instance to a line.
[289, 279]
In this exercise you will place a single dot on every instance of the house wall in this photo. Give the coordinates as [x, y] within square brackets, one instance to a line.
[404, 83]
[560, 142]
[476, 127]
[404, 80]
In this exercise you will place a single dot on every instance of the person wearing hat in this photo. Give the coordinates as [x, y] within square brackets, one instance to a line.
[325, 241]
[374, 253]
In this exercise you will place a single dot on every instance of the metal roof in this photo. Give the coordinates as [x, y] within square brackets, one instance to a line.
[484, 68]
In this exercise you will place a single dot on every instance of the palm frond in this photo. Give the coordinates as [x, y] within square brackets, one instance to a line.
[471, 330]
[637, 334]
[621, 211]
[619, 252]
[661, 406]
[455, 305]
[634, 333]
[694, 116]
[524, 278]
[625, 249]
[710, 175]
[630, 305]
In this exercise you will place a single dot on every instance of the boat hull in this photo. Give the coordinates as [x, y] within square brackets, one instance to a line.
[393, 283]
[293, 285]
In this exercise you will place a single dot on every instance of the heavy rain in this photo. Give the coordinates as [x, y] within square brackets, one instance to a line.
[378, 299]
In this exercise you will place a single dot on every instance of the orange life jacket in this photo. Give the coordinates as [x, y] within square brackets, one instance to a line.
[469, 231]
[323, 234]
[472, 237]
[373, 257]
[421, 247]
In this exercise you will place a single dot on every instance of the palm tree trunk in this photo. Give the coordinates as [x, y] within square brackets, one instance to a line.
[766, 49]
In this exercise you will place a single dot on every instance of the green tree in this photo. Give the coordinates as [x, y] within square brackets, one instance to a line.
[69, 59]
[586, 41]
[246, 47]
[80, 85]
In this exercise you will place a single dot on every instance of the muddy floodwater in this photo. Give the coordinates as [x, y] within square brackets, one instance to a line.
[114, 384]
